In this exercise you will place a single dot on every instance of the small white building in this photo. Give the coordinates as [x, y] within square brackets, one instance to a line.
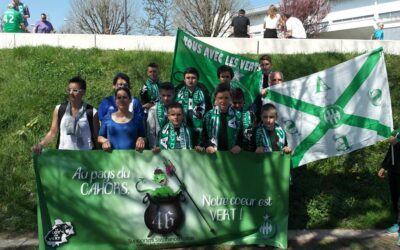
[348, 19]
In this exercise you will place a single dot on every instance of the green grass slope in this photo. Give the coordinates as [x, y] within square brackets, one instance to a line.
[338, 192]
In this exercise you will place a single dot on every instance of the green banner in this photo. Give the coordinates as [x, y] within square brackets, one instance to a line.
[131, 200]
[191, 52]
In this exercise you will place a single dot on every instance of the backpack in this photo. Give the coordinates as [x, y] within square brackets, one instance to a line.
[89, 115]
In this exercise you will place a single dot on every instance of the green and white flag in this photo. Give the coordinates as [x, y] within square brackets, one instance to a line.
[191, 52]
[335, 111]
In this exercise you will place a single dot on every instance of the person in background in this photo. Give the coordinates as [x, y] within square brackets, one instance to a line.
[76, 123]
[158, 115]
[108, 104]
[271, 22]
[391, 167]
[266, 67]
[13, 20]
[149, 93]
[240, 25]
[275, 77]
[378, 33]
[195, 100]
[122, 129]
[225, 75]
[294, 27]
[24, 10]
[43, 26]
[248, 120]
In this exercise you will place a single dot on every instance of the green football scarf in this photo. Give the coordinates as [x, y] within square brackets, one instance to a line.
[213, 124]
[152, 89]
[161, 113]
[193, 101]
[247, 125]
[263, 140]
[169, 138]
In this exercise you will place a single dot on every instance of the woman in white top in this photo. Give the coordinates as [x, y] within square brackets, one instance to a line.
[271, 22]
[76, 123]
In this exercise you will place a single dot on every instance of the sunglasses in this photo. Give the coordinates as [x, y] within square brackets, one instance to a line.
[75, 91]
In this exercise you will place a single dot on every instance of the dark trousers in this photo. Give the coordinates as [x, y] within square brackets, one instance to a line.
[270, 33]
[394, 185]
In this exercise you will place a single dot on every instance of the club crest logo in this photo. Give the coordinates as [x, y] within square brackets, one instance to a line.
[268, 228]
[375, 96]
[341, 143]
[59, 233]
[332, 115]
[290, 127]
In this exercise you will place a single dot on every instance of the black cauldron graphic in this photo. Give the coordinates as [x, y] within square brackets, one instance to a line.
[164, 215]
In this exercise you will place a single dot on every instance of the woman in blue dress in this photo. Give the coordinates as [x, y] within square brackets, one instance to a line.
[123, 129]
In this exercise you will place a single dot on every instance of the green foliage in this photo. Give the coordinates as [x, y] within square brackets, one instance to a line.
[337, 192]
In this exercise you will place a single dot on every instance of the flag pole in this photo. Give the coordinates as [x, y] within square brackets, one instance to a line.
[395, 135]
[172, 171]
[392, 155]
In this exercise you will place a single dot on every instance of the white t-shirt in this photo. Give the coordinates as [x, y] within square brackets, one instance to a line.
[297, 28]
[70, 141]
[271, 23]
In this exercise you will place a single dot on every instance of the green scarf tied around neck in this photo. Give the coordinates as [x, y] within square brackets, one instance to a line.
[263, 140]
[152, 89]
[213, 125]
[161, 113]
[195, 102]
[168, 137]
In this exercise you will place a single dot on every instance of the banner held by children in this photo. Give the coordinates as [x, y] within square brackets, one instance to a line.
[335, 111]
[191, 52]
[129, 200]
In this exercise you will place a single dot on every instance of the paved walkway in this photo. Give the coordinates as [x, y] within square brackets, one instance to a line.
[298, 239]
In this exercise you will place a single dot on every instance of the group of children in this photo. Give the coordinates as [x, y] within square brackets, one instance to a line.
[187, 117]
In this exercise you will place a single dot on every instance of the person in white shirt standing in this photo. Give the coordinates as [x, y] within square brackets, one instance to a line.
[294, 27]
[271, 22]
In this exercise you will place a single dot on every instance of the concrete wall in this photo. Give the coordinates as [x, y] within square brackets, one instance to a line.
[167, 44]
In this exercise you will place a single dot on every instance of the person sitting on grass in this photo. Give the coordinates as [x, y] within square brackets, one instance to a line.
[158, 115]
[270, 136]
[122, 129]
[76, 123]
[222, 129]
[392, 167]
[175, 134]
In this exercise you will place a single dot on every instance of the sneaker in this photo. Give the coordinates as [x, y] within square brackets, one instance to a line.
[393, 229]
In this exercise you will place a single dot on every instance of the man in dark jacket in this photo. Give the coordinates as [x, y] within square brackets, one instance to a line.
[391, 164]
[241, 25]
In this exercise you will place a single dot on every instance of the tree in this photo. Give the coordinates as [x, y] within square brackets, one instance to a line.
[210, 18]
[99, 16]
[310, 13]
[158, 19]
